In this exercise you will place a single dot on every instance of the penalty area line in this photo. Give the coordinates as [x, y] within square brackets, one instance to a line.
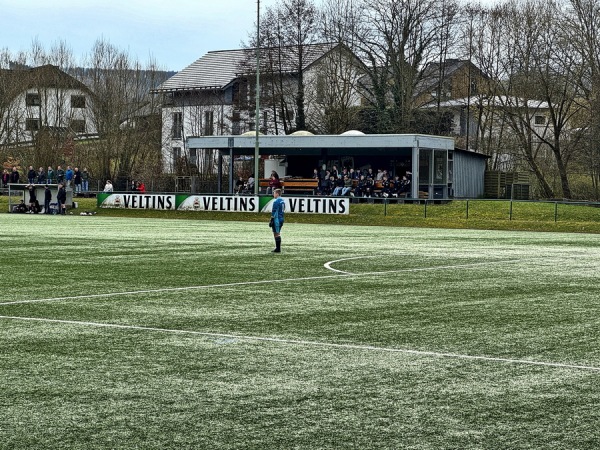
[249, 283]
[300, 342]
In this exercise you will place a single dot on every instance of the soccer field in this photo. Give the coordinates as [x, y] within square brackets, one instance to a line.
[180, 334]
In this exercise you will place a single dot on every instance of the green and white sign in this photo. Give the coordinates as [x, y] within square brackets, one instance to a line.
[233, 203]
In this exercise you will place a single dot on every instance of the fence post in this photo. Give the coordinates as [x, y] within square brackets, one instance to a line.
[555, 212]
[385, 202]
[425, 208]
[510, 210]
[467, 209]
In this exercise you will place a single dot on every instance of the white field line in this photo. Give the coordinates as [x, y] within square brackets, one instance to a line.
[327, 265]
[368, 348]
[248, 283]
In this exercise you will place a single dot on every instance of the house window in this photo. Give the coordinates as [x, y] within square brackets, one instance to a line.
[32, 100]
[32, 124]
[177, 127]
[77, 101]
[176, 156]
[78, 126]
[208, 123]
[193, 156]
[540, 120]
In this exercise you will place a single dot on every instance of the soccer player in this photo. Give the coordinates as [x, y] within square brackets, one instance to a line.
[277, 212]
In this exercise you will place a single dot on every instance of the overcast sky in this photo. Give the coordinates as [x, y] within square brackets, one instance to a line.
[175, 33]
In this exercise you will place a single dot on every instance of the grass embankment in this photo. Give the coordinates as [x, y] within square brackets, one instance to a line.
[459, 214]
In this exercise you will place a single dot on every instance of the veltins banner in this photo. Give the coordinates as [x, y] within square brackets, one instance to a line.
[232, 203]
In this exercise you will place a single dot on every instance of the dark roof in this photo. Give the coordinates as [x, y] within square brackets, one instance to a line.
[217, 69]
[15, 81]
[431, 73]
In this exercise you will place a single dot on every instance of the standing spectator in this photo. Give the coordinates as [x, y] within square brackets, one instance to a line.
[277, 216]
[77, 180]
[31, 175]
[47, 199]
[325, 185]
[32, 198]
[108, 187]
[69, 176]
[315, 175]
[60, 175]
[85, 180]
[49, 175]
[41, 176]
[61, 198]
[5, 178]
[14, 175]
[141, 187]
[133, 186]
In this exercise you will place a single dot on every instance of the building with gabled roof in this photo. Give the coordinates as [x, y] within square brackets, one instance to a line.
[215, 95]
[42, 98]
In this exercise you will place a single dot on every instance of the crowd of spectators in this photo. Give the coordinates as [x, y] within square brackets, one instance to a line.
[361, 183]
[78, 180]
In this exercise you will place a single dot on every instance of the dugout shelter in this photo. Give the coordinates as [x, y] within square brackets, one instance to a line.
[21, 191]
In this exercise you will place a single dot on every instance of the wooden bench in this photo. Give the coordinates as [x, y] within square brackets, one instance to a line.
[294, 184]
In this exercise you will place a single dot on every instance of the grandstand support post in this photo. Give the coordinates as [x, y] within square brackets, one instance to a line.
[219, 172]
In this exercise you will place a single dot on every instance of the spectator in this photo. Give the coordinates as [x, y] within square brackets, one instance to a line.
[250, 185]
[85, 180]
[334, 172]
[49, 175]
[274, 182]
[315, 175]
[41, 176]
[47, 199]
[108, 187]
[347, 190]
[61, 198]
[141, 187]
[5, 178]
[20, 208]
[386, 187]
[31, 175]
[32, 197]
[60, 175]
[14, 175]
[239, 185]
[339, 185]
[77, 180]
[69, 174]
[133, 186]
[325, 184]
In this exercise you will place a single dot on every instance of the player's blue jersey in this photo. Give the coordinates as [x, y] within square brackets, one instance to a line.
[278, 209]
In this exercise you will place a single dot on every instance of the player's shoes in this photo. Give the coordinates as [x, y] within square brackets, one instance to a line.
[275, 251]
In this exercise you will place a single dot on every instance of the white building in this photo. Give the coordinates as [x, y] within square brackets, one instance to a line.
[215, 95]
[42, 98]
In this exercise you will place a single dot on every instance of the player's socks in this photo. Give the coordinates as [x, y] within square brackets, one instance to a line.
[278, 244]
